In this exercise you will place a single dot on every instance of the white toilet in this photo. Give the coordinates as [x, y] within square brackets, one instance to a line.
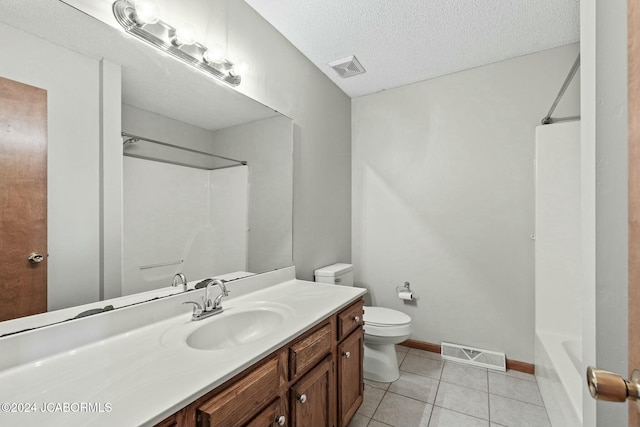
[383, 328]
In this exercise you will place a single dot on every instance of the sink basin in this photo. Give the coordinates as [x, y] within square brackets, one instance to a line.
[236, 327]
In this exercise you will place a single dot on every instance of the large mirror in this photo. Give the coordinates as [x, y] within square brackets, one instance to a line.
[120, 225]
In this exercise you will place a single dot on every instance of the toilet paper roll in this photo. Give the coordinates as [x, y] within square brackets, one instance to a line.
[406, 295]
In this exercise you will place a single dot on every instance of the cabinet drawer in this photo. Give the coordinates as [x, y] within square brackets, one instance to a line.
[235, 404]
[310, 350]
[350, 319]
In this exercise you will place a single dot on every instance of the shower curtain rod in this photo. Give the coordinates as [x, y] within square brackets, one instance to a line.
[547, 119]
[135, 138]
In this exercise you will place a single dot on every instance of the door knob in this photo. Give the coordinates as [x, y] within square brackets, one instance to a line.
[35, 258]
[347, 354]
[302, 398]
[605, 385]
[281, 420]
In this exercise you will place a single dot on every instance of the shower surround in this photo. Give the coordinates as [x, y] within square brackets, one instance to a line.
[558, 301]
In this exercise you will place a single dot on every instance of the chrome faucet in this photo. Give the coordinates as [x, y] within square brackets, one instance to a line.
[179, 279]
[208, 307]
[224, 293]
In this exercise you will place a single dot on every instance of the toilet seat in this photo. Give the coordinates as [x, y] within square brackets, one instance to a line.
[385, 322]
[385, 317]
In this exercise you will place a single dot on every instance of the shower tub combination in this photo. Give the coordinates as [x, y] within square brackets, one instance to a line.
[559, 375]
[558, 299]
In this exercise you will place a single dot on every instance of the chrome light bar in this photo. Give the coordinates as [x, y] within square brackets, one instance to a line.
[167, 38]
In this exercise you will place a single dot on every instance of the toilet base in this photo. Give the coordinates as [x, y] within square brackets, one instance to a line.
[380, 362]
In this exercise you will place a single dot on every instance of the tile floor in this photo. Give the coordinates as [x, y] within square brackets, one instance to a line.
[432, 392]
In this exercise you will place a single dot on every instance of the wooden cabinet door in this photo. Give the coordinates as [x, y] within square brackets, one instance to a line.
[350, 377]
[312, 397]
[273, 415]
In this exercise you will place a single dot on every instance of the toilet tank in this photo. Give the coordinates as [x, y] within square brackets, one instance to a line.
[335, 274]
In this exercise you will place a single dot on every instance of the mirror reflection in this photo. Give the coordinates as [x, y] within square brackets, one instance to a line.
[118, 225]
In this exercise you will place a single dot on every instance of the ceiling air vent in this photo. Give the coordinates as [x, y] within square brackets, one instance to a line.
[347, 67]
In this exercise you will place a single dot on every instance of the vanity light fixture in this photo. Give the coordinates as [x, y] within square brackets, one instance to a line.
[183, 36]
[140, 18]
[147, 12]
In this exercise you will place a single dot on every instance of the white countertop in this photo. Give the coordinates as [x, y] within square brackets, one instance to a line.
[140, 377]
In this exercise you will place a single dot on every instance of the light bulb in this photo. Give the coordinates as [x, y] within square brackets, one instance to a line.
[184, 35]
[146, 12]
[241, 68]
[214, 55]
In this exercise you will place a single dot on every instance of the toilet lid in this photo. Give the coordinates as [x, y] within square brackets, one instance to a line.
[380, 316]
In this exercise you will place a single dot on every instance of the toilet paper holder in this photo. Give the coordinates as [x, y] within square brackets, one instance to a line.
[404, 288]
[405, 293]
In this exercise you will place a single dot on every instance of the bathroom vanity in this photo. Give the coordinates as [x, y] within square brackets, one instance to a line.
[283, 352]
[314, 380]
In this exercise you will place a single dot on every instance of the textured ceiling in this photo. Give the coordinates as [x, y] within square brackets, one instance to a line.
[404, 41]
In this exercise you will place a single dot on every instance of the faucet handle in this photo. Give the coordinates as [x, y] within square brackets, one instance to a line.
[197, 308]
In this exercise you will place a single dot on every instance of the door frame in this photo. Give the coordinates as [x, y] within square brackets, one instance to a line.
[604, 194]
[633, 89]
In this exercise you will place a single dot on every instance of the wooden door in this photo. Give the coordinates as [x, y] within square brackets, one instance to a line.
[350, 377]
[23, 199]
[311, 398]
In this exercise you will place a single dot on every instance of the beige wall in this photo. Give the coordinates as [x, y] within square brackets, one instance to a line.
[443, 197]
[287, 81]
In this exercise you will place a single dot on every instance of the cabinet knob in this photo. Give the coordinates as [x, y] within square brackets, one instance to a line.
[281, 420]
[302, 398]
[347, 354]
[356, 319]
